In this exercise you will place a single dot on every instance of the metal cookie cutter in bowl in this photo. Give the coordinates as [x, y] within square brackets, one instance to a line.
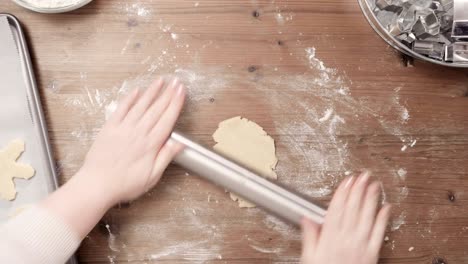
[430, 30]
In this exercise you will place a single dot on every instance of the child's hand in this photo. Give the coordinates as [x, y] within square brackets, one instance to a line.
[132, 150]
[353, 230]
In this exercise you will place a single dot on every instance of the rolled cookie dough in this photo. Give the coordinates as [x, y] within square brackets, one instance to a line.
[248, 144]
[10, 169]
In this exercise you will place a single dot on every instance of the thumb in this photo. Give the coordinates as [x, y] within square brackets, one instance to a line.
[167, 153]
[310, 236]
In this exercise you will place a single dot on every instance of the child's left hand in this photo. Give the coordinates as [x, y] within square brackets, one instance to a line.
[354, 228]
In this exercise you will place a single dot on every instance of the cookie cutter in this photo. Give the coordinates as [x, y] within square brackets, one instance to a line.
[460, 20]
[457, 52]
[427, 24]
[407, 38]
[389, 5]
[446, 4]
[403, 22]
[429, 48]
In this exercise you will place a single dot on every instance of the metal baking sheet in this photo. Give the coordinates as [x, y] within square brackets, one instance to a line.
[21, 117]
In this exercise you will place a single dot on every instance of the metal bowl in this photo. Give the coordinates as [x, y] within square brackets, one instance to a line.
[62, 9]
[383, 33]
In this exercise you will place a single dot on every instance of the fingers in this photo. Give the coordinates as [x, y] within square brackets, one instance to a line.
[378, 231]
[158, 107]
[337, 204]
[124, 106]
[310, 237]
[147, 98]
[161, 131]
[167, 153]
[355, 200]
[369, 210]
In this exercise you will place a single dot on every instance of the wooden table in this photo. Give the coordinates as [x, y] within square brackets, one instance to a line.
[334, 96]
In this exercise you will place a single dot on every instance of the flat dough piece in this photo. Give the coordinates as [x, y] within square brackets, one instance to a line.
[248, 144]
[10, 169]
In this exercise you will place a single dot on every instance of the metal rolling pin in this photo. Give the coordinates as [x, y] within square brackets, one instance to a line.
[267, 195]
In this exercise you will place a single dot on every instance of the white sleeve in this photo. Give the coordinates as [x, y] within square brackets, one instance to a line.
[37, 236]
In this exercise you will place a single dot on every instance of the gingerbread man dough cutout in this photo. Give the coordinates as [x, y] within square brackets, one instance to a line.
[10, 169]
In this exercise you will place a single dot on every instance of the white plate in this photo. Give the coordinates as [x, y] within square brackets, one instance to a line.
[78, 4]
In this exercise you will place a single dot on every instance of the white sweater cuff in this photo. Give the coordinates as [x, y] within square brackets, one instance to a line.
[39, 236]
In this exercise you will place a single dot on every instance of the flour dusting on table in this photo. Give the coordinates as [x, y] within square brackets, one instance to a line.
[112, 240]
[137, 9]
[398, 221]
[325, 113]
[315, 119]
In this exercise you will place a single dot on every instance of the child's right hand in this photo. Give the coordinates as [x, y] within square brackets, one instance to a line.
[353, 231]
[132, 150]
[127, 158]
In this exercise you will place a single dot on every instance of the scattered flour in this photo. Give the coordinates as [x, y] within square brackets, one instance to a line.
[201, 241]
[137, 9]
[404, 191]
[393, 245]
[384, 194]
[124, 49]
[317, 64]
[402, 173]
[281, 227]
[171, 250]
[279, 18]
[267, 250]
[405, 114]
[320, 192]
[398, 222]
[409, 143]
[334, 122]
[323, 104]
[314, 142]
[112, 240]
[326, 115]
[201, 86]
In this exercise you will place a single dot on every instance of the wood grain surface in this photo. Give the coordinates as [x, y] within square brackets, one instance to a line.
[335, 97]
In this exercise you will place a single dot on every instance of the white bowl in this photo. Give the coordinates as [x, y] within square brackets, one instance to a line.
[62, 9]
